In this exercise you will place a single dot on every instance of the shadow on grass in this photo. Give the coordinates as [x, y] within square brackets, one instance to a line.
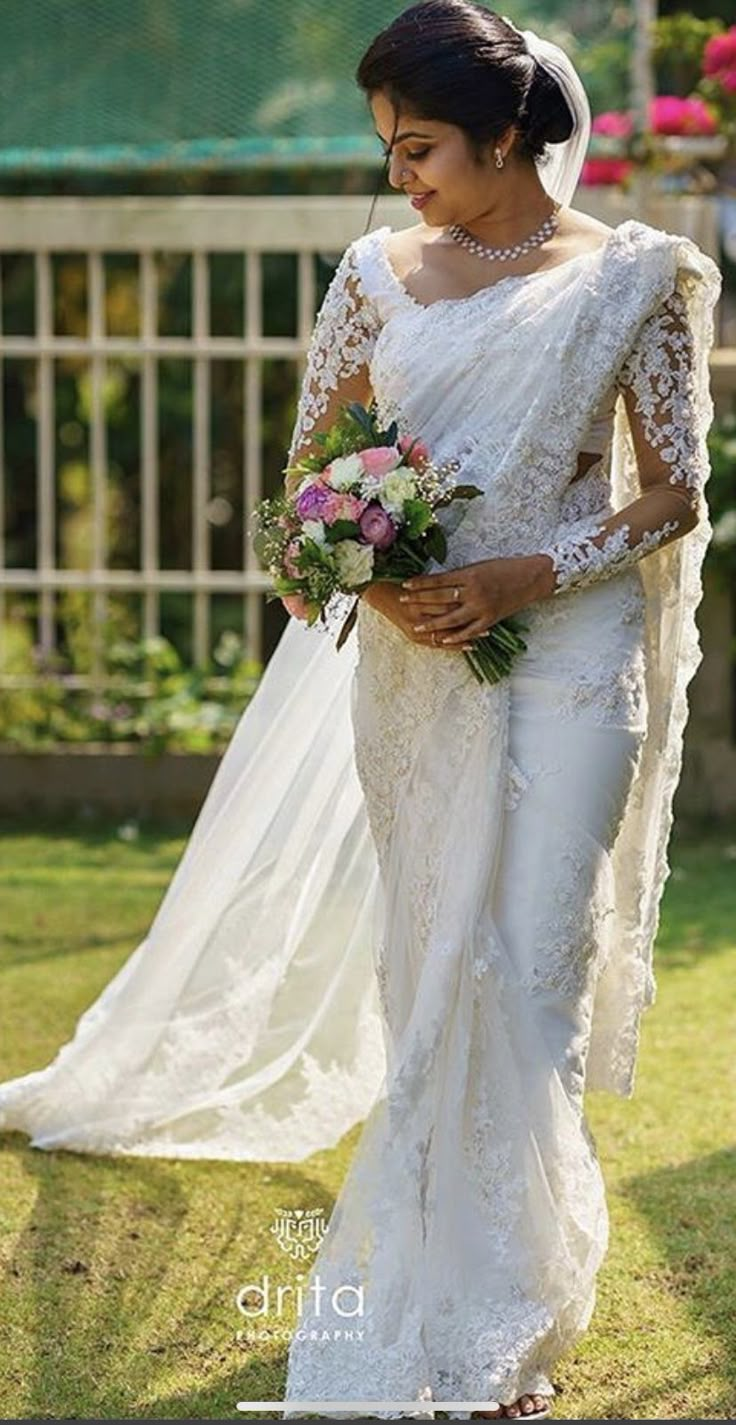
[690, 1211]
[127, 1302]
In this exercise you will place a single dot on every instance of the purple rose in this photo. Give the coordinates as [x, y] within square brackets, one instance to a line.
[376, 527]
[312, 501]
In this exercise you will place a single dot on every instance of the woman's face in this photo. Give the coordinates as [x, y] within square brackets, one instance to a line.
[430, 157]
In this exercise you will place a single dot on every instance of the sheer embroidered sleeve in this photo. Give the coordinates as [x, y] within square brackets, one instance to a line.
[658, 384]
[337, 360]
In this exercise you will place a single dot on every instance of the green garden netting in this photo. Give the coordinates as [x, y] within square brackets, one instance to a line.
[174, 84]
[91, 84]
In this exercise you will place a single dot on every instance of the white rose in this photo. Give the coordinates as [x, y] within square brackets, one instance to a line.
[354, 562]
[344, 471]
[314, 529]
[395, 489]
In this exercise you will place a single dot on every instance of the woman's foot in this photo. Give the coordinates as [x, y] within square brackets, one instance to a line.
[525, 1405]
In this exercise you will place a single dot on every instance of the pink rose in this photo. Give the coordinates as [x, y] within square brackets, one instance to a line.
[376, 527]
[342, 506]
[605, 170]
[419, 455]
[720, 52]
[295, 605]
[379, 460]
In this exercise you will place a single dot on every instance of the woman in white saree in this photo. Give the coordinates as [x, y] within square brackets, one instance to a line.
[411, 898]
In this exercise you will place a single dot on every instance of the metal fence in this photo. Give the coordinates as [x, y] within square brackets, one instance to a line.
[251, 228]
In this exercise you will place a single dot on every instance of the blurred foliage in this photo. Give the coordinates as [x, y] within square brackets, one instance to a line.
[721, 493]
[151, 700]
[679, 41]
[698, 9]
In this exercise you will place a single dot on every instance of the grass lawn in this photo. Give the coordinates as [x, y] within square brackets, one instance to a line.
[120, 1275]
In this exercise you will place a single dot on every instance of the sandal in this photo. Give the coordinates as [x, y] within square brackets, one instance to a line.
[523, 1414]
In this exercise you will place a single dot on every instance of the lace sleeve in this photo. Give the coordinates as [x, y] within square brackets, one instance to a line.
[658, 384]
[339, 351]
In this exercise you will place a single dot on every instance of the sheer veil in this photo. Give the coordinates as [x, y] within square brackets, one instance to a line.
[246, 1024]
[561, 171]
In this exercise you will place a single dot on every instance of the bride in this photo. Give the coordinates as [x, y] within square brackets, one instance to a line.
[410, 898]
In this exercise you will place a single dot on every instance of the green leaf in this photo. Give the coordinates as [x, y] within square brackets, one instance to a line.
[466, 492]
[260, 541]
[435, 543]
[342, 529]
[284, 585]
[418, 515]
[361, 417]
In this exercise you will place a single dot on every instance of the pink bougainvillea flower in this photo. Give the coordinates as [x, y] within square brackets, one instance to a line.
[616, 123]
[720, 52]
[669, 114]
[605, 170]
[379, 460]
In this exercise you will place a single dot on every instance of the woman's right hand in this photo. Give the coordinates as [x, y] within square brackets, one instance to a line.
[383, 595]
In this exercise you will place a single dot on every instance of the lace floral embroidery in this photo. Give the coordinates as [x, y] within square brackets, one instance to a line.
[660, 369]
[570, 922]
[578, 561]
[660, 372]
[342, 342]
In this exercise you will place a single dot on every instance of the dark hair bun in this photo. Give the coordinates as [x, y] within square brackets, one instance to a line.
[546, 117]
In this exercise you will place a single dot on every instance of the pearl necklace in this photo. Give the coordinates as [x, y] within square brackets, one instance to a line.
[482, 249]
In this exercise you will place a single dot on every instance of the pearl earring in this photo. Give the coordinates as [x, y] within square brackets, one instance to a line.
[499, 158]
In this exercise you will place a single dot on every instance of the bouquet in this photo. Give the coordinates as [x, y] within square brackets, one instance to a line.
[364, 510]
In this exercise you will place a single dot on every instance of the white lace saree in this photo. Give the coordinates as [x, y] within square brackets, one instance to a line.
[428, 903]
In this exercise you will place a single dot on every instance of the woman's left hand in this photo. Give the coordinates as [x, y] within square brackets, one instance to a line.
[488, 591]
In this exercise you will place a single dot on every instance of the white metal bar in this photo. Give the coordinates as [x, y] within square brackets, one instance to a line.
[252, 460]
[275, 223]
[306, 303]
[149, 532]
[201, 442]
[45, 417]
[288, 223]
[98, 449]
[221, 348]
[224, 347]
